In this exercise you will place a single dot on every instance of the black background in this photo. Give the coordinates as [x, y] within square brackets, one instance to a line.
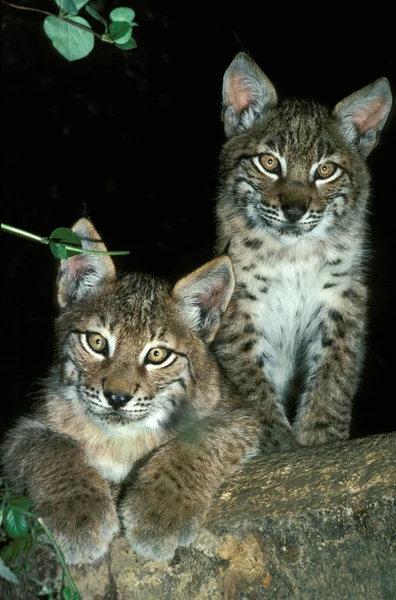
[131, 139]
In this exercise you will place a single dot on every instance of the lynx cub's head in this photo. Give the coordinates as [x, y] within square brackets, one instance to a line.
[132, 351]
[293, 168]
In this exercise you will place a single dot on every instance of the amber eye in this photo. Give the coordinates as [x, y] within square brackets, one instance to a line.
[325, 170]
[269, 162]
[156, 356]
[97, 342]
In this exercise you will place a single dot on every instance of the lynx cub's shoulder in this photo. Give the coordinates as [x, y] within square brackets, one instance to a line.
[132, 373]
[292, 213]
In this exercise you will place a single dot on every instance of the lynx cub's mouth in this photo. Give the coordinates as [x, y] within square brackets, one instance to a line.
[112, 408]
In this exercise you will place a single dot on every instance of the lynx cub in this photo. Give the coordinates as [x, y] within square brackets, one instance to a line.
[132, 384]
[291, 214]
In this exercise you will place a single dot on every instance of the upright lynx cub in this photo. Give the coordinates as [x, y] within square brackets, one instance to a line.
[292, 213]
[132, 379]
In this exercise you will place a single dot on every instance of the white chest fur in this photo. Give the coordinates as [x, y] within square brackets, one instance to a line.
[288, 298]
[114, 457]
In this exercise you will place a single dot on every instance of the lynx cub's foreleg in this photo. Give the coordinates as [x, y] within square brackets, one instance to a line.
[171, 493]
[71, 496]
[325, 408]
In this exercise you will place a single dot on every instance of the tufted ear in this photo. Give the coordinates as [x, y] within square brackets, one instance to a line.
[363, 115]
[247, 95]
[204, 296]
[79, 275]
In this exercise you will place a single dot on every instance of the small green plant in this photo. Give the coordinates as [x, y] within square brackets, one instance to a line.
[21, 531]
[72, 35]
[63, 242]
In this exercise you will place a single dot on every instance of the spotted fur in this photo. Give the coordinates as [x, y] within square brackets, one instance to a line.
[134, 398]
[291, 214]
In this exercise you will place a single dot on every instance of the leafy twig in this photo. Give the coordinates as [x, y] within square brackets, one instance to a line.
[77, 45]
[21, 529]
[63, 242]
[50, 14]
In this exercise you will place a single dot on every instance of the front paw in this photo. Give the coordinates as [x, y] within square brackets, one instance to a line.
[82, 530]
[320, 434]
[157, 518]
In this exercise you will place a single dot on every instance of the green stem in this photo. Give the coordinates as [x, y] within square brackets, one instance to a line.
[37, 10]
[60, 558]
[84, 251]
[25, 234]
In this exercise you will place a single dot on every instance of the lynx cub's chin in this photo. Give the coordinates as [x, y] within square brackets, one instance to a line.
[292, 214]
[134, 397]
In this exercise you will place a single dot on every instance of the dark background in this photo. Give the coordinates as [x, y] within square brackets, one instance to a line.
[132, 138]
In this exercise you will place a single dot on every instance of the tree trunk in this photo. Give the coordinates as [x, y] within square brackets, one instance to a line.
[313, 524]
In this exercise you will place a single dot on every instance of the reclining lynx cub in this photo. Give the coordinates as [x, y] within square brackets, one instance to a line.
[132, 380]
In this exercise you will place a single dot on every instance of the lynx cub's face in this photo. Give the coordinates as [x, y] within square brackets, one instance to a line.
[130, 349]
[122, 366]
[292, 167]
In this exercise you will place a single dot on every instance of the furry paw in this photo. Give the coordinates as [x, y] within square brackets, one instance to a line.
[83, 532]
[154, 533]
[161, 512]
[317, 436]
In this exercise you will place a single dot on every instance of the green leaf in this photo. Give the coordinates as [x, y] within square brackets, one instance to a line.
[15, 547]
[22, 502]
[120, 31]
[65, 235]
[27, 541]
[59, 251]
[62, 237]
[15, 522]
[122, 13]
[10, 552]
[71, 7]
[6, 573]
[125, 38]
[70, 41]
[68, 6]
[129, 45]
[95, 15]
[80, 3]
